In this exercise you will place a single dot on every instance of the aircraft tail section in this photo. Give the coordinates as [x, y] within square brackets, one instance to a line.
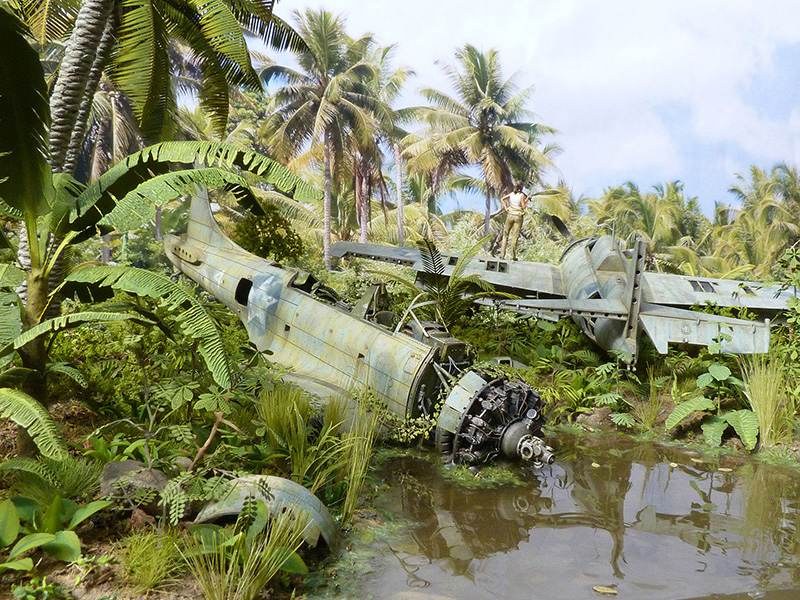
[203, 228]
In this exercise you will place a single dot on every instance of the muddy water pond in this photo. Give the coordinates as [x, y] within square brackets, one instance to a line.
[645, 520]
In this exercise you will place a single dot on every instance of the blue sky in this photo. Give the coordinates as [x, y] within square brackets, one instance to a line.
[640, 90]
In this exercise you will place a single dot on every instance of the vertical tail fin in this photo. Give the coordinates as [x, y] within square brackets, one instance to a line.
[202, 226]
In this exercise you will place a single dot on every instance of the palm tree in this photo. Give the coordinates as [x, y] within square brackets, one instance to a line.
[136, 43]
[485, 124]
[665, 218]
[326, 103]
[52, 205]
[445, 300]
[387, 85]
[787, 187]
[763, 227]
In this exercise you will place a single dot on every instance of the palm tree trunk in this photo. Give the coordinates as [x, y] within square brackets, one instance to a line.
[488, 215]
[365, 216]
[70, 87]
[357, 195]
[92, 83]
[326, 202]
[33, 354]
[398, 163]
[158, 232]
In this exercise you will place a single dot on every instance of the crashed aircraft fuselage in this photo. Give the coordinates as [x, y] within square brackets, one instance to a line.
[332, 348]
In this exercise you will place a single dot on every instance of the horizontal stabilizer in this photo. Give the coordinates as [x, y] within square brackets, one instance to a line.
[665, 325]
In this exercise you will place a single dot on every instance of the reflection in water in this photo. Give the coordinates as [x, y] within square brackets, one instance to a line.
[608, 512]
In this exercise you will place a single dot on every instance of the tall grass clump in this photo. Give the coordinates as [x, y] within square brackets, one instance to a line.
[360, 440]
[150, 559]
[240, 566]
[765, 390]
[647, 412]
[311, 453]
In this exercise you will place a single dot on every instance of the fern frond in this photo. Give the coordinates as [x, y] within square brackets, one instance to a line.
[14, 376]
[9, 211]
[192, 318]
[27, 467]
[69, 371]
[69, 321]
[34, 418]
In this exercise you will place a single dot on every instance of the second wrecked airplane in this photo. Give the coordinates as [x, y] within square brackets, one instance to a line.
[412, 366]
[606, 289]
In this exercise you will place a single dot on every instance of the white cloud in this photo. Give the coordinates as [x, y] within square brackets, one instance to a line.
[607, 73]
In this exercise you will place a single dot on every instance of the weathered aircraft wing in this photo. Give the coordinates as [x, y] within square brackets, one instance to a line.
[391, 254]
[521, 278]
[665, 325]
[686, 291]
[595, 308]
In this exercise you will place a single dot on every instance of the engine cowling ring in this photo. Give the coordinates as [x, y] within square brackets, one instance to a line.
[484, 419]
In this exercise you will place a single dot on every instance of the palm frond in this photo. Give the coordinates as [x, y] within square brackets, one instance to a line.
[25, 182]
[258, 19]
[432, 260]
[101, 197]
[60, 323]
[139, 205]
[140, 66]
[289, 208]
[49, 20]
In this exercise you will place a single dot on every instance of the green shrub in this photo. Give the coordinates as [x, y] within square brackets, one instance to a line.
[269, 235]
[39, 589]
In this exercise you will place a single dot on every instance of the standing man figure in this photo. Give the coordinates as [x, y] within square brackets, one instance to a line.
[514, 205]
